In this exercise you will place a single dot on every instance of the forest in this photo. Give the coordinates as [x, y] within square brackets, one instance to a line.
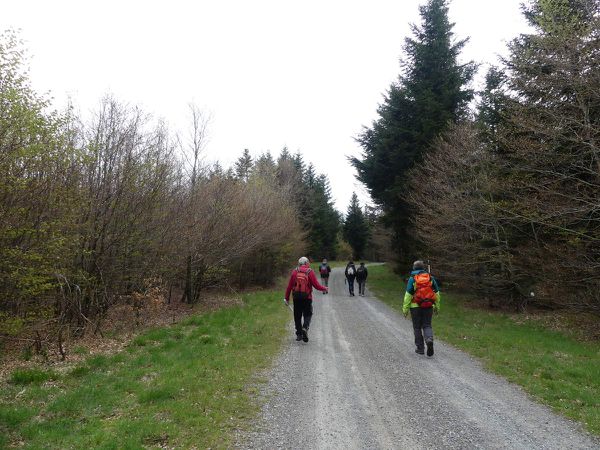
[498, 189]
[118, 209]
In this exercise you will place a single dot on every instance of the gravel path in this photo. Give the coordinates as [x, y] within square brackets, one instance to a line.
[358, 384]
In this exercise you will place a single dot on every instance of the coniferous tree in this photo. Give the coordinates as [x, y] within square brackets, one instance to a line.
[430, 94]
[243, 165]
[552, 147]
[491, 105]
[323, 220]
[264, 166]
[356, 228]
[313, 202]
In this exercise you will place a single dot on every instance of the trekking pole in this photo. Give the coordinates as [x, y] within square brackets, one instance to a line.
[288, 305]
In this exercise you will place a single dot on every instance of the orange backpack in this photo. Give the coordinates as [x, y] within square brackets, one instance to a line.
[424, 295]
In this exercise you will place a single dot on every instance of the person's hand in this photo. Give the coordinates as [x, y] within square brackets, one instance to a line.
[326, 291]
[405, 313]
[287, 303]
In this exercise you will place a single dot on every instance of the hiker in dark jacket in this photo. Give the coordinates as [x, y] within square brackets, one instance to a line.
[361, 278]
[422, 298]
[302, 281]
[350, 273]
[324, 271]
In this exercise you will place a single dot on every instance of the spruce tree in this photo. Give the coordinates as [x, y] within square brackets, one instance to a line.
[264, 166]
[243, 165]
[430, 94]
[552, 153]
[356, 228]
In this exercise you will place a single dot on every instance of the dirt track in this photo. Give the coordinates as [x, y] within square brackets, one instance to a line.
[358, 384]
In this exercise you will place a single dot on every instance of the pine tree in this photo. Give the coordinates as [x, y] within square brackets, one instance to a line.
[311, 195]
[323, 220]
[264, 166]
[243, 165]
[356, 228]
[553, 156]
[492, 103]
[430, 94]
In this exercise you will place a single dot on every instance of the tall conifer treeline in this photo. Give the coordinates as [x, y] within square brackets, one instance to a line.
[506, 203]
[431, 93]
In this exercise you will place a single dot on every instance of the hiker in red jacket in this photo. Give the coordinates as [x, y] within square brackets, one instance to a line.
[302, 281]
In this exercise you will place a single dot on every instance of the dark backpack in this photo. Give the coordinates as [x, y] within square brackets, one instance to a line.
[302, 289]
[360, 272]
[350, 271]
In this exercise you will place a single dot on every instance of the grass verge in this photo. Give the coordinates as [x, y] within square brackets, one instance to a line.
[555, 368]
[184, 386]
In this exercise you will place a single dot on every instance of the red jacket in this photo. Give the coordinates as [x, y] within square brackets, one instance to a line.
[311, 278]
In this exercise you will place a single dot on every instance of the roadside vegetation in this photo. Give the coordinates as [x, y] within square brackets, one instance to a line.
[504, 196]
[183, 386]
[558, 366]
[111, 210]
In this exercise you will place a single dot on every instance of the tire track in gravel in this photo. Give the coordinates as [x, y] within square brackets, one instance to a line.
[359, 385]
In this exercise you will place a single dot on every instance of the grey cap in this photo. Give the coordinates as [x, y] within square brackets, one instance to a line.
[419, 265]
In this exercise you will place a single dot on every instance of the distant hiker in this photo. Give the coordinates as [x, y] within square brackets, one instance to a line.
[302, 281]
[350, 273]
[324, 270]
[361, 278]
[422, 297]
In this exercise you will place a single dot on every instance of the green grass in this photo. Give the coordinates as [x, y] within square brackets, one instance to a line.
[554, 368]
[188, 385]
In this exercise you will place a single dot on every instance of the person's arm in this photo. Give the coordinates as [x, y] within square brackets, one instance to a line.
[290, 285]
[313, 281]
[328, 269]
[406, 304]
[408, 295]
[438, 296]
[366, 272]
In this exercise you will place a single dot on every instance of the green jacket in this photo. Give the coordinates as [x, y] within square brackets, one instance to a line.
[410, 292]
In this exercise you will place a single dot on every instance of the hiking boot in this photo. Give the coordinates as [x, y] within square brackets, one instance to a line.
[298, 337]
[429, 348]
[305, 334]
[420, 351]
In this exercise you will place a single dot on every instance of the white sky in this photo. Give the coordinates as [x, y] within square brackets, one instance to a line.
[306, 74]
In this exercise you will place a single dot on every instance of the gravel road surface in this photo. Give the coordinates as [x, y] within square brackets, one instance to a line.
[358, 384]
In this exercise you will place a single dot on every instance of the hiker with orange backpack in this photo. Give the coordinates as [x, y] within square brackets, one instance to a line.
[422, 297]
[302, 281]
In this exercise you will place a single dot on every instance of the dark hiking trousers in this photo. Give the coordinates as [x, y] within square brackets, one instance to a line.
[302, 308]
[350, 284]
[421, 319]
[361, 286]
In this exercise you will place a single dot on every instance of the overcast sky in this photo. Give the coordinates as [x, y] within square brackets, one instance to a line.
[303, 74]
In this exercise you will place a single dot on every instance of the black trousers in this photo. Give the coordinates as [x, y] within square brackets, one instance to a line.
[350, 285]
[421, 319]
[361, 285]
[302, 308]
